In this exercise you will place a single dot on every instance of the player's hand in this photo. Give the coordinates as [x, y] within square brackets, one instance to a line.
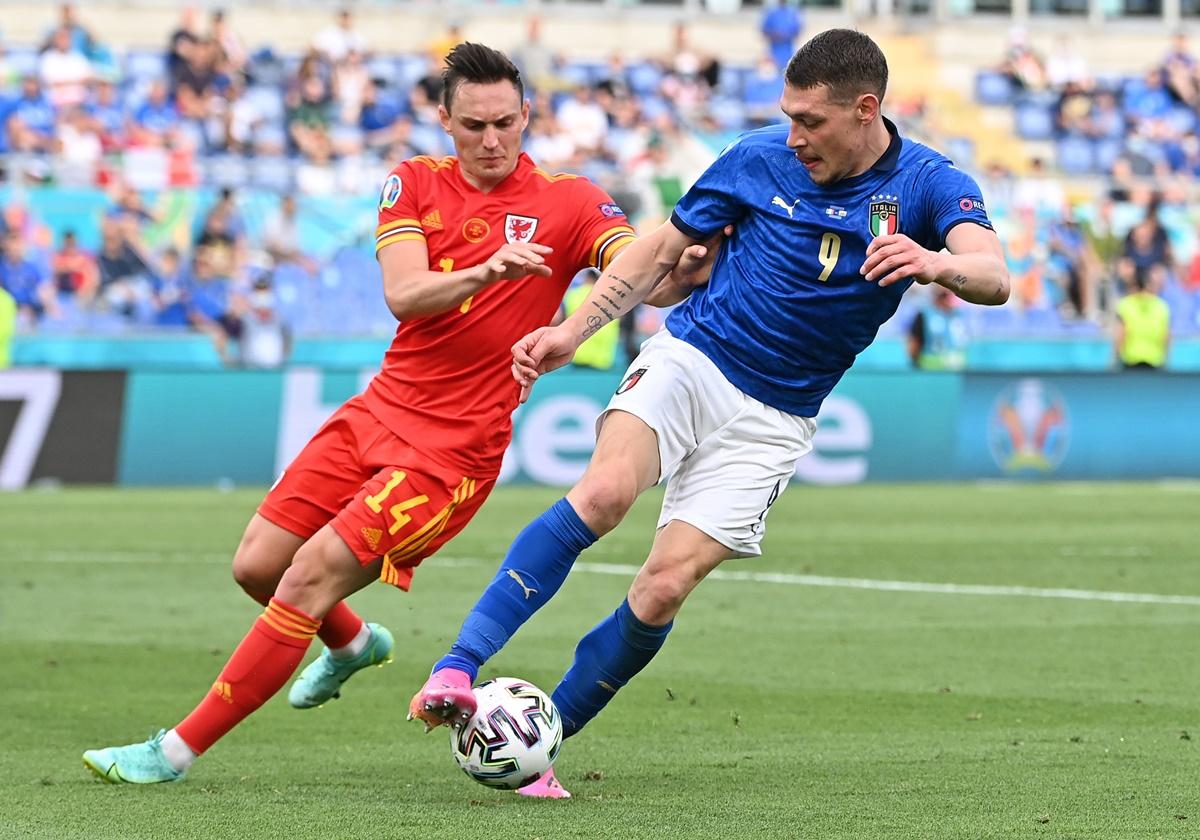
[691, 272]
[542, 351]
[514, 261]
[892, 258]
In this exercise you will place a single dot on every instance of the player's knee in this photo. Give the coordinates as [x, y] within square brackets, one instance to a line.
[251, 571]
[659, 591]
[602, 499]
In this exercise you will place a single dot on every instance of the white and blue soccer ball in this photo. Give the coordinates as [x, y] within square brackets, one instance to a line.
[514, 736]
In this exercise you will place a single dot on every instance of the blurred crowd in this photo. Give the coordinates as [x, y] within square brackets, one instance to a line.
[263, 137]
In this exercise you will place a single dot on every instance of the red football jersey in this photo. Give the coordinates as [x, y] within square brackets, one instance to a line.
[446, 385]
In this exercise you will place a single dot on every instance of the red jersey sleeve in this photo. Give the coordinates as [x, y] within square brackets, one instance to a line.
[603, 228]
[398, 216]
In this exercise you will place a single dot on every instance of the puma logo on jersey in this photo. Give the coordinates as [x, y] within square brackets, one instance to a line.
[521, 584]
[779, 202]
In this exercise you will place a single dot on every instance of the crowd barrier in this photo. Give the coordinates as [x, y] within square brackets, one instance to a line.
[173, 427]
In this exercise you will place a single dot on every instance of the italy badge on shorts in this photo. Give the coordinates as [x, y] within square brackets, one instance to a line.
[885, 215]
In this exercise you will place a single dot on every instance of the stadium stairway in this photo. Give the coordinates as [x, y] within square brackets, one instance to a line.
[951, 110]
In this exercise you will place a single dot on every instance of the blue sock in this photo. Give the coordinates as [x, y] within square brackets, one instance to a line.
[535, 567]
[605, 659]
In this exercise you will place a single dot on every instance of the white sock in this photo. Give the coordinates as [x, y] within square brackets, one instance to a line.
[357, 645]
[179, 754]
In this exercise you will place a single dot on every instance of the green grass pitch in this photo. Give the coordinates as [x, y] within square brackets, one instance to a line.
[776, 709]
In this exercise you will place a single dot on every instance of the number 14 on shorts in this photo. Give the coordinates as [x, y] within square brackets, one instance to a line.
[396, 511]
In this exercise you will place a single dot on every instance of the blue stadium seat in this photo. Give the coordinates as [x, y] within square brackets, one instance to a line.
[144, 65]
[1043, 321]
[993, 88]
[1034, 120]
[1076, 155]
[227, 171]
[22, 61]
[644, 77]
[267, 100]
[1107, 152]
[995, 319]
[728, 113]
[272, 173]
[961, 150]
[733, 79]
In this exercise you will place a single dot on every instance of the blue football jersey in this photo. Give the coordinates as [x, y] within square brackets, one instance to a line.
[785, 311]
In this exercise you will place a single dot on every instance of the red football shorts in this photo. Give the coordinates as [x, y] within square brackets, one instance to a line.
[382, 496]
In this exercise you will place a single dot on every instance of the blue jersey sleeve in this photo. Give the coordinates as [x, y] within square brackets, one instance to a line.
[953, 197]
[713, 201]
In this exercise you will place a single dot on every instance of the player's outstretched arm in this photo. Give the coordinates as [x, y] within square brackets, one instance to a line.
[622, 286]
[690, 273]
[412, 290]
[974, 269]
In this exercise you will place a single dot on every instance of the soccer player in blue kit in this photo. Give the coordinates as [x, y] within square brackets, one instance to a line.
[835, 216]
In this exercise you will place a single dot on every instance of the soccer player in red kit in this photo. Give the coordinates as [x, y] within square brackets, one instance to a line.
[476, 251]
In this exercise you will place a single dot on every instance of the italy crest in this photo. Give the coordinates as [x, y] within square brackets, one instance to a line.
[885, 215]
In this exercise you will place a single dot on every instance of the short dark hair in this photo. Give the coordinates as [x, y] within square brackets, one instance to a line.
[480, 65]
[849, 63]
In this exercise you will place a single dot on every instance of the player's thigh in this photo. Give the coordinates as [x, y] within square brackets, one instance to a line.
[728, 485]
[263, 555]
[406, 511]
[623, 465]
[326, 474]
[671, 398]
[681, 557]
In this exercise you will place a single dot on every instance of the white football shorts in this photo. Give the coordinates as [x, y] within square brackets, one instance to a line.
[728, 457]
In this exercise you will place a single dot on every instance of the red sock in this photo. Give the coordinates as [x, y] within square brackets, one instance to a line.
[340, 625]
[262, 663]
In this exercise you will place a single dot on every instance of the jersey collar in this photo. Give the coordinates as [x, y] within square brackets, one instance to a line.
[891, 158]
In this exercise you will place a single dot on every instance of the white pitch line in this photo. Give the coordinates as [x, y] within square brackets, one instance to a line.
[628, 570]
[917, 586]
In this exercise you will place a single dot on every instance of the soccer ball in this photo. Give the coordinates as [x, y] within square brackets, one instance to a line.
[512, 739]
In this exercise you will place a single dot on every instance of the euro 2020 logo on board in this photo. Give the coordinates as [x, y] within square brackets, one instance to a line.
[1028, 427]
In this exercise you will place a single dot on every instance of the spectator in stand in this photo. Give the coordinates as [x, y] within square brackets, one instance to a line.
[22, 278]
[1073, 264]
[231, 52]
[281, 236]
[171, 301]
[761, 93]
[179, 45]
[1065, 65]
[1039, 191]
[30, 119]
[75, 271]
[377, 118]
[156, 120]
[264, 338]
[64, 71]
[79, 148]
[1022, 64]
[1105, 120]
[1148, 252]
[535, 59]
[781, 25]
[1151, 101]
[1179, 69]
[109, 117]
[937, 337]
[308, 120]
[582, 118]
[1143, 328]
[441, 45]
[223, 234]
[211, 307]
[1025, 262]
[548, 144]
[198, 80]
[350, 82]
[81, 39]
[125, 269]
[334, 42]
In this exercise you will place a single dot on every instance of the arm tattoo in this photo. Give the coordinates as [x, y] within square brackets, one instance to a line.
[959, 280]
[594, 323]
[622, 281]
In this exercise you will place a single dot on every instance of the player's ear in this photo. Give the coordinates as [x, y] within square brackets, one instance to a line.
[444, 116]
[867, 107]
[524, 115]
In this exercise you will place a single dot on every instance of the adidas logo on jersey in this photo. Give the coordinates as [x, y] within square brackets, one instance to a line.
[432, 220]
